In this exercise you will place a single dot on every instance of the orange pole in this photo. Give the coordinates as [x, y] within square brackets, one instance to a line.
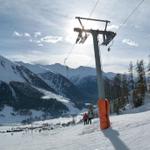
[104, 107]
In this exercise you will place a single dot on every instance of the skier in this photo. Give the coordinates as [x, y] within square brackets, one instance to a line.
[85, 118]
[90, 116]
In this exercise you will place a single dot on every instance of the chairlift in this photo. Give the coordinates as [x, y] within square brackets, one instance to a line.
[107, 35]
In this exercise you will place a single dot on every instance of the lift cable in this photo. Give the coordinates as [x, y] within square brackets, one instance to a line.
[69, 53]
[92, 11]
[123, 23]
[126, 19]
[132, 12]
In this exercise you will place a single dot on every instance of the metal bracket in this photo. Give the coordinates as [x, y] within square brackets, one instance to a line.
[107, 35]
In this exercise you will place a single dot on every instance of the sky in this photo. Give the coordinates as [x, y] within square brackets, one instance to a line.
[41, 32]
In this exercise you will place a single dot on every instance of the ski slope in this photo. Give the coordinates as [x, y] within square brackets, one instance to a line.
[129, 131]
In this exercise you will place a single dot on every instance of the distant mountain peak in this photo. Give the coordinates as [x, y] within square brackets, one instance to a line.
[19, 84]
[9, 70]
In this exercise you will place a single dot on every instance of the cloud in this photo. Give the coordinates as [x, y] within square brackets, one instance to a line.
[30, 40]
[51, 39]
[47, 58]
[33, 38]
[27, 34]
[113, 26]
[130, 42]
[40, 44]
[57, 18]
[47, 39]
[71, 38]
[37, 34]
[17, 34]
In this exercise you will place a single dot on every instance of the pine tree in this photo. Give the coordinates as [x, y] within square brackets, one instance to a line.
[131, 84]
[140, 90]
[117, 86]
[121, 92]
[124, 94]
[131, 79]
[116, 91]
[148, 75]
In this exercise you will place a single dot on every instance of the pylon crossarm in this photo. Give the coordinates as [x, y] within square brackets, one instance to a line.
[107, 35]
[79, 18]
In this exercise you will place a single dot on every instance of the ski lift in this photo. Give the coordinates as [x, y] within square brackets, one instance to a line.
[81, 38]
[108, 36]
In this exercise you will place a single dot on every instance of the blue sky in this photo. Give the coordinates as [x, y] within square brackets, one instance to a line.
[41, 31]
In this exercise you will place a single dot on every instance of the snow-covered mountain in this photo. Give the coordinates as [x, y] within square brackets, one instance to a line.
[70, 73]
[10, 71]
[79, 72]
[63, 86]
[79, 83]
[19, 88]
[36, 68]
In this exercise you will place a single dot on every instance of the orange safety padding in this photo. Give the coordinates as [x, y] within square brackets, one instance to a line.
[103, 107]
[108, 111]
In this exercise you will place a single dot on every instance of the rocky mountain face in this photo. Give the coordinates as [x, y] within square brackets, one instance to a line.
[88, 87]
[75, 74]
[19, 88]
[22, 96]
[51, 89]
[63, 87]
[73, 83]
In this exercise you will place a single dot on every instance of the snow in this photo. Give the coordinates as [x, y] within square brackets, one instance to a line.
[36, 68]
[65, 101]
[80, 72]
[7, 73]
[144, 107]
[59, 120]
[8, 115]
[127, 132]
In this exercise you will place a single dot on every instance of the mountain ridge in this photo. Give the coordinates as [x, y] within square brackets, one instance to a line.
[18, 89]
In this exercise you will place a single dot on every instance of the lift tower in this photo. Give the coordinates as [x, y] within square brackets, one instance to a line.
[107, 37]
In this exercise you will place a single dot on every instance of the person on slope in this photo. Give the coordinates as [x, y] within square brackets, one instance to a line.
[90, 116]
[85, 118]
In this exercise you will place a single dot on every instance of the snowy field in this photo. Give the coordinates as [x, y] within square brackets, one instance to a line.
[129, 131]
